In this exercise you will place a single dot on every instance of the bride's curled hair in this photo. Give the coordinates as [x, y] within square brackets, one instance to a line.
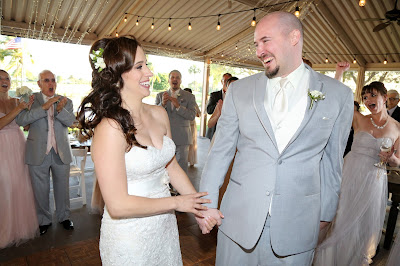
[104, 101]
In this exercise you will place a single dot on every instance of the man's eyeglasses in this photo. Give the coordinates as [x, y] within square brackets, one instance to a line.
[393, 99]
[48, 80]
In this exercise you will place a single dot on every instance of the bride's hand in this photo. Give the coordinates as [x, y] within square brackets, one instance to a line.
[192, 203]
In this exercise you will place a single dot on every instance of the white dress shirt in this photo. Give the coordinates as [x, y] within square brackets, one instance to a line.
[296, 92]
[390, 111]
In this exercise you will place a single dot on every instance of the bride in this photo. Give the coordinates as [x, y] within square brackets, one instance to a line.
[134, 160]
[354, 235]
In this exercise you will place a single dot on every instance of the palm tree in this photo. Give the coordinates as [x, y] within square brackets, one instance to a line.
[193, 69]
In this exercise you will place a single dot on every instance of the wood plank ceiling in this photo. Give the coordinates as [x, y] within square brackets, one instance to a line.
[332, 28]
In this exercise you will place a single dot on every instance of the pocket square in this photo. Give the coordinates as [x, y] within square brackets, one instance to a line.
[325, 118]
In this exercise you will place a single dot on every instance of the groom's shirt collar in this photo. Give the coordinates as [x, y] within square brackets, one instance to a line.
[46, 98]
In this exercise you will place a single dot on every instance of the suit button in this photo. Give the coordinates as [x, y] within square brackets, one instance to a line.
[279, 161]
[268, 193]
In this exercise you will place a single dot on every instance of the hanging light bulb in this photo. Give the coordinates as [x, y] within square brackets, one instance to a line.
[249, 48]
[169, 25]
[236, 47]
[125, 19]
[137, 22]
[116, 34]
[362, 2]
[354, 60]
[326, 60]
[218, 24]
[190, 25]
[385, 61]
[152, 25]
[253, 22]
[297, 10]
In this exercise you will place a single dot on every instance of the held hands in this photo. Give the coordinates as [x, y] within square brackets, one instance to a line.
[192, 203]
[209, 219]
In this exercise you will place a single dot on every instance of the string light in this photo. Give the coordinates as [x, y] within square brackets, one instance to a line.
[116, 34]
[125, 19]
[189, 25]
[219, 24]
[222, 54]
[297, 10]
[169, 25]
[253, 22]
[236, 47]
[137, 22]
[385, 61]
[362, 2]
[326, 60]
[152, 25]
[354, 61]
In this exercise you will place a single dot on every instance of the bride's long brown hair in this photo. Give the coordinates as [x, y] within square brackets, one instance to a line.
[104, 101]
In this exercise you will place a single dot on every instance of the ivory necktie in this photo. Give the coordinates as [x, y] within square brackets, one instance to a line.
[280, 106]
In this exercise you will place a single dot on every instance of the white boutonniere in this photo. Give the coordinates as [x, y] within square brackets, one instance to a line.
[178, 95]
[315, 96]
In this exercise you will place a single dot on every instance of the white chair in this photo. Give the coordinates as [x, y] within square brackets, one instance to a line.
[78, 170]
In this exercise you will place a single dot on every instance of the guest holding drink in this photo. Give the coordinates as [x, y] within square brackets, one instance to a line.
[354, 235]
[18, 221]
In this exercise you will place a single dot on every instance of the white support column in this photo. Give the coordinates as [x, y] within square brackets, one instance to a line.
[204, 98]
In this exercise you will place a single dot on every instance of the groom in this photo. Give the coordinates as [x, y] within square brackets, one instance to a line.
[286, 176]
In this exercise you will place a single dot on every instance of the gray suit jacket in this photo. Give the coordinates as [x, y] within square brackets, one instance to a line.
[180, 120]
[36, 142]
[304, 179]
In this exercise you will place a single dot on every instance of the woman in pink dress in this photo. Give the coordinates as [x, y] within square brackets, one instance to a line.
[18, 215]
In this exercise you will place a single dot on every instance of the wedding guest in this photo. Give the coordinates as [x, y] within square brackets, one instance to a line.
[18, 221]
[181, 109]
[48, 149]
[215, 97]
[134, 158]
[392, 104]
[354, 235]
[192, 156]
[212, 122]
[351, 135]
[289, 126]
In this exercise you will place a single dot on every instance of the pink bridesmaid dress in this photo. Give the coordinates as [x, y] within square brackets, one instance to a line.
[18, 218]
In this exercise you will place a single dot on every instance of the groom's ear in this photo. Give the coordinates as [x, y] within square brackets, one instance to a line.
[294, 36]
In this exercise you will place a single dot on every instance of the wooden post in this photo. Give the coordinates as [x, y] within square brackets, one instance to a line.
[359, 84]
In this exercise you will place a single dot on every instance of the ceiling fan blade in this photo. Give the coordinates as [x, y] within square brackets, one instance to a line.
[370, 19]
[381, 26]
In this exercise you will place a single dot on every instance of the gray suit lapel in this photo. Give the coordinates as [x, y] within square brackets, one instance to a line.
[315, 84]
[258, 103]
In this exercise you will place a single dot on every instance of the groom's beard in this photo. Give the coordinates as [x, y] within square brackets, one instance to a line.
[272, 73]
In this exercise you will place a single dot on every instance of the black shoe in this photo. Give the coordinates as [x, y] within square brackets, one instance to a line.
[68, 225]
[43, 228]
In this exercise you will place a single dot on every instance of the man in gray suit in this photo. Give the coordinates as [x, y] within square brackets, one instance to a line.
[48, 149]
[180, 106]
[289, 126]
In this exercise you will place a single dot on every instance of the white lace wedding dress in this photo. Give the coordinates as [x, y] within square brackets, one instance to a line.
[152, 240]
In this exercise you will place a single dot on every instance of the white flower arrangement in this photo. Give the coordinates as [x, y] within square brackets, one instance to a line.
[315, 96]
[98, 60]
[23, 93]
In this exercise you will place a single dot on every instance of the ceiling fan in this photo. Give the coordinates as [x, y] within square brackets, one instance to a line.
[390, 16]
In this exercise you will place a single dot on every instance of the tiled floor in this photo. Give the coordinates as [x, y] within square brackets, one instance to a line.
[80, 246]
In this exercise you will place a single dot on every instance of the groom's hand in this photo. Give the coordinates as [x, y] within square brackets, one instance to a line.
[211, 218]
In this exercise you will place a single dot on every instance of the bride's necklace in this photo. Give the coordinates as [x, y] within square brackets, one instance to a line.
[379, 127]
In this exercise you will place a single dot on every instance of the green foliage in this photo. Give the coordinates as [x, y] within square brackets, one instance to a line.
[216, 72]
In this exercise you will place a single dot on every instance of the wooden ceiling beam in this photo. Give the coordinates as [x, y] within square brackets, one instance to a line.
[324, 9]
